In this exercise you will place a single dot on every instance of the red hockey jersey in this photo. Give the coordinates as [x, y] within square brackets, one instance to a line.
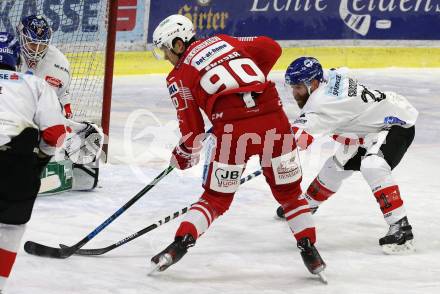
[226, 77]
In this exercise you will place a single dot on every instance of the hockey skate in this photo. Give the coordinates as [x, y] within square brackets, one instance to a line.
[399, 238]
[172, 254]
[280, 211]
[312, 259]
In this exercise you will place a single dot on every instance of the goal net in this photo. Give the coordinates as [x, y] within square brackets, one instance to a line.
[80, 32]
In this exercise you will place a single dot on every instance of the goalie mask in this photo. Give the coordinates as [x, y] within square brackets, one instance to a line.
[35, 35]
[172, 27]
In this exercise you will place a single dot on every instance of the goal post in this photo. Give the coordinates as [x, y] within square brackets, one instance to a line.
[108, 77]
[85, 31]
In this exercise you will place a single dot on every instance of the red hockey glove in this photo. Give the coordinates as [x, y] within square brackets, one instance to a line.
[68, 111]
[182, 158]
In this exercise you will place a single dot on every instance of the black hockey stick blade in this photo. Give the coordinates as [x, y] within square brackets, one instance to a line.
[100, 251]
[47, 251]
[64, 252]
[90, 252]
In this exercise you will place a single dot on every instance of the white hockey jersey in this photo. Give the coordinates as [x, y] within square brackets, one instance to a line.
[54, 68]
[342, 106]
[28, 101]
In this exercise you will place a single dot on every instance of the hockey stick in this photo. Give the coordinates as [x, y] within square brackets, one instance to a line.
[100, 251]
[67, 251]
[47, 251]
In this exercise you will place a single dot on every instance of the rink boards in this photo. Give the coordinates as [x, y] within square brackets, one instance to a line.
[133, 63]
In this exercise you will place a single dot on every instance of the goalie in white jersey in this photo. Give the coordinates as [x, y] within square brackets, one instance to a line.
[40, 58]
[32, 125]
[375, 129]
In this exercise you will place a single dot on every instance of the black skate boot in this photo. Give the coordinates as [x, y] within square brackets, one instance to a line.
[399, 238]
[280, 211]
[173, 253]
[310, 256]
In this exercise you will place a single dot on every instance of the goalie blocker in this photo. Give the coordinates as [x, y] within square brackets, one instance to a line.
[76, 166]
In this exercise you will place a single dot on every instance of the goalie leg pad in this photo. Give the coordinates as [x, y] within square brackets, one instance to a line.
[85, 176]
[61, 169]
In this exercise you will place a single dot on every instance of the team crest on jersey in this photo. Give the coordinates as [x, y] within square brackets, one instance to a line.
[54, 82]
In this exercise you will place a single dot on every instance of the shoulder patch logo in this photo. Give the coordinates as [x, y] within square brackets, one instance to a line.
[173, 89]
[54, 82]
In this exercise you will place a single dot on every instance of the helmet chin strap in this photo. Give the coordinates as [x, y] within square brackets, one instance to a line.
[309, 87]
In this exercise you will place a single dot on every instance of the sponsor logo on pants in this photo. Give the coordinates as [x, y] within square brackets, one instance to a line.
[225, 178]
[287, 168]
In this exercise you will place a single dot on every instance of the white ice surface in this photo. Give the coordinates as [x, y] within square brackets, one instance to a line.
[247, 250]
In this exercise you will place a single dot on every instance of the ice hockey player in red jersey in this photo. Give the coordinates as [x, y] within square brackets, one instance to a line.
[375, 128]
[226, 78]
[32, 125]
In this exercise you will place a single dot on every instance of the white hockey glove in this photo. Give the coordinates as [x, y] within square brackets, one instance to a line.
[84, 144]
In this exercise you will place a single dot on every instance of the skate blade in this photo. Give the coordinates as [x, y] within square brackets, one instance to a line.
[393, 249]
[154, 268]
[164, 262]
[322, 277]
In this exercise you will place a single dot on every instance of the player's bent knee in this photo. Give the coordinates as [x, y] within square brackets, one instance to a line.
[284, 193]
[374, 167]
[331, 175]
[374, 162]
[219, 202]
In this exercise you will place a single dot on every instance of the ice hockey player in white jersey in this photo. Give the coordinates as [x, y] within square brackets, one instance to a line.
[32, 125]
[41, 58]
[375, 129]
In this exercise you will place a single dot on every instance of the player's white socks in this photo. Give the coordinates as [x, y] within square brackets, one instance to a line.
[10, 238]
[377, 173]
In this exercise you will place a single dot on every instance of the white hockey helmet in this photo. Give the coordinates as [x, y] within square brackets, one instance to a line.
[172, 27]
